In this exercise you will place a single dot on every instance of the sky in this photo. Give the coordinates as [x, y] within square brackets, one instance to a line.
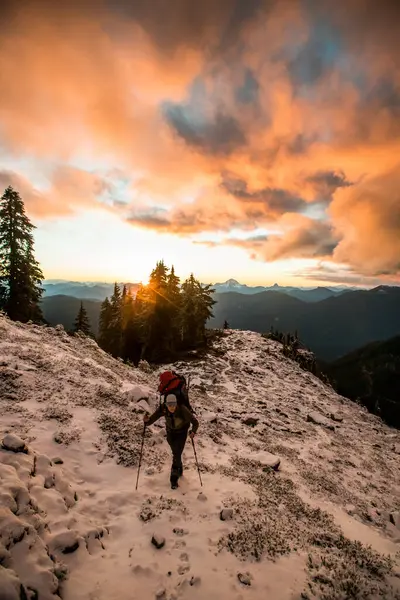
[255, 139]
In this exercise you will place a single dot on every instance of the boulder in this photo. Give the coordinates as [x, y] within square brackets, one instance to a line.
[13, 443]
[250, 420]
[158, 541]
[144, 405]
[226, 514]
[318, 419]
[266, 459]
[244, 578]
[64, 541]
[395, 518]
[336, 417]
[209, 417]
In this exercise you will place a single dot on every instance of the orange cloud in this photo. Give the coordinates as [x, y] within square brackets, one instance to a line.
[71, 189]
[367, 219]
[219, 115]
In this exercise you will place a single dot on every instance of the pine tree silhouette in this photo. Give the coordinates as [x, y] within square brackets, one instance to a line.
[20, 273]
[82, 321]
[115, 324]
[104, 325]
[226, 324]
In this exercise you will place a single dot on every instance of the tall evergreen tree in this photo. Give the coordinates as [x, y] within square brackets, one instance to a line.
[104, 325]
[157, 339]
[197, 303]
[188, 312]
[173, 295]
[82, 321]
[20, 273]
[115, 326]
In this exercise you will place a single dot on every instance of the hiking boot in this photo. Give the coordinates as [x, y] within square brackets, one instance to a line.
[174, 483]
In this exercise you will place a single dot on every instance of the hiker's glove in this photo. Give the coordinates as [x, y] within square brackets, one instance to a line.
[192, 434]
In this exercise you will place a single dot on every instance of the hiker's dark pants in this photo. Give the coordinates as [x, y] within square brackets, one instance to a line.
[177, 440]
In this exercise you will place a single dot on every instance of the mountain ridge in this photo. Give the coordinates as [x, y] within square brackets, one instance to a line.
[78, 528]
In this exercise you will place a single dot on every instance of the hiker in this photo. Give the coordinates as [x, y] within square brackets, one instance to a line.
[178, 418]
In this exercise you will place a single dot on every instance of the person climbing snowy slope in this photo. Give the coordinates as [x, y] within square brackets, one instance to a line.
[178, 419]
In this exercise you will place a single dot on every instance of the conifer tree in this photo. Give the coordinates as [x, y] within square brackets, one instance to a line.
[205, 303]
[188, 312]
[115, 325]
[20, 273]
[157, 339]
[226, 324]
[82, 321]
[104, 325]
[173, 295]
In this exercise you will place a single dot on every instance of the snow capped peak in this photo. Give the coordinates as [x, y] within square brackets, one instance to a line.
[292, 475]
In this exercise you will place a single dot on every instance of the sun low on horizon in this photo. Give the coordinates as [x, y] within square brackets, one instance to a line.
[257, 140]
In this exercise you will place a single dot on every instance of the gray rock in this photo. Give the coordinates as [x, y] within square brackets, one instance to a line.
[13, 443]
[250, 420]
[245, 578]
[395, 518]
[161, 594]
[202, 497]
[64, 541]
[209, 417]
[336, 417]
[226, 514]
[266, 459]
[143, 405]
[318, 419]
[158, 541]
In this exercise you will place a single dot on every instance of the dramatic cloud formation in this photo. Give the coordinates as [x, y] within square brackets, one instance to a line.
[205, 118]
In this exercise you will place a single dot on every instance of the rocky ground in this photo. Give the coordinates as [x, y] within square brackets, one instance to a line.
[300, 495]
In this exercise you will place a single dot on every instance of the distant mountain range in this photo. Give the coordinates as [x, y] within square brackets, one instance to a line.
[330, 327]
[371, 375]
[80, 289]
[307, 294]
[97, 290]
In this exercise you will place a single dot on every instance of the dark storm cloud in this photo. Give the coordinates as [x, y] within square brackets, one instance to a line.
[276, 201]
[247, 93]
[206, 24]
[217, 134]
[325, 184]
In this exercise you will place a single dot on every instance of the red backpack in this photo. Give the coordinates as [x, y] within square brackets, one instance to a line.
[173, 383]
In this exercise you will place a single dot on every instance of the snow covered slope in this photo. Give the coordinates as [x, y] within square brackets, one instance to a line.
[310, 481]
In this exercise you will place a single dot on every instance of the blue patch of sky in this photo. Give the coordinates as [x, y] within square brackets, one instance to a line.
[247, 93]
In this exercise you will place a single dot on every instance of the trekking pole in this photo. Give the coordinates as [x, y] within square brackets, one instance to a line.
[141, 454]
[197, 463]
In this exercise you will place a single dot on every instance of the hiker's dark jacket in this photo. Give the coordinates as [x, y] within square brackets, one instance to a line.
[178, 421]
